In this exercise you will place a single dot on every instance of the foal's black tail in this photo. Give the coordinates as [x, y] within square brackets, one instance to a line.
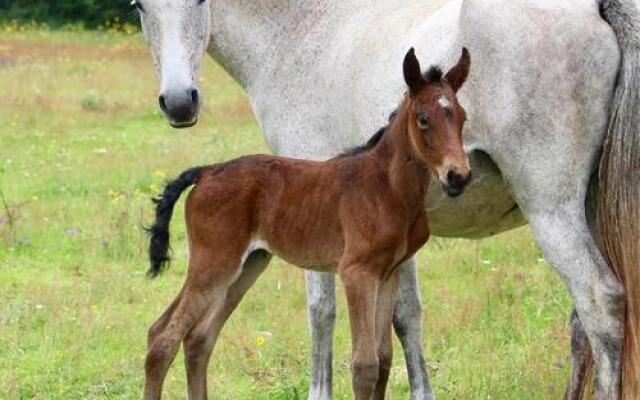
[159, 231]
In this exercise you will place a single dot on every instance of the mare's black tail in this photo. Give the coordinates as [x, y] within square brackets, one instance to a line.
[159, 231]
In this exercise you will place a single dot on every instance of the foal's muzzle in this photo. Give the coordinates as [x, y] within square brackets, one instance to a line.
[456, 183]
[181, 107]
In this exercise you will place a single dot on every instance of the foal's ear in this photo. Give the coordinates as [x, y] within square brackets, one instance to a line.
[458, 74]
[412, 74]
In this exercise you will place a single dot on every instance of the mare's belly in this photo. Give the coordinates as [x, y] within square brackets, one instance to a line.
[485, 208]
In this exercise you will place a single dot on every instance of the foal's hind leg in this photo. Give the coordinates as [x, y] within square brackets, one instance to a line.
[161, 323]
[200, 342]
[206, 286]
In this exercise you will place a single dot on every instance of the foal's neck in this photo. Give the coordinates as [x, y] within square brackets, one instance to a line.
[409, 175]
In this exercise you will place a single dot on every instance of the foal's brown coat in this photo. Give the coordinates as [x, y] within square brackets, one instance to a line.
[359, 215]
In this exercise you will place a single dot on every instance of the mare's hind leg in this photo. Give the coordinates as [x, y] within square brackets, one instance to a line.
[580, 356]
[385, 303]
[550, 187]
[599, 298]
[407, 322]
[563, 235]
[205, 287]
[200, 342]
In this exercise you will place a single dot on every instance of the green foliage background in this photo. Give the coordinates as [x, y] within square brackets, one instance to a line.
[89, 13]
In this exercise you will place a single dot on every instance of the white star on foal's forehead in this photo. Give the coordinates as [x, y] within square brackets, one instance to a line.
[444, 102]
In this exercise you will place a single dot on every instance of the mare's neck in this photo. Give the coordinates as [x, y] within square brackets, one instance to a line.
[252, 39]
[408, 174]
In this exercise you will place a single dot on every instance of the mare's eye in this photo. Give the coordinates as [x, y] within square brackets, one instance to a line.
[200, 2]
[423, 122]
[137, 5]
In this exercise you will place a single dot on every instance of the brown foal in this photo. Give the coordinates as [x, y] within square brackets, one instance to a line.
[360, 215]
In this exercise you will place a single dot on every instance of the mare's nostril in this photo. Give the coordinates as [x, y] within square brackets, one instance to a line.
[163, 104]
[194, 96]
[180, 106]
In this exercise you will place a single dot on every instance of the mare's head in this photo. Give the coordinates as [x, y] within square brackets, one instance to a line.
[178, 33]
[435, 120]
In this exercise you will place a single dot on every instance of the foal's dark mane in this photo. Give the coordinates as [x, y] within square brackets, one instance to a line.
[373, 140]
[433, 75]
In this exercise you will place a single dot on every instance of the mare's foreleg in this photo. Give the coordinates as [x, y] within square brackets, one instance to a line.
[407, 322]
[321, 303]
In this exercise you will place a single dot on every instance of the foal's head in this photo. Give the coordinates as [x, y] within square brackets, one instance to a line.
[435, 120]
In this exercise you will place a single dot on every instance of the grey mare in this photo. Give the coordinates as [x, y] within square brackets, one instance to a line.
[547, 76]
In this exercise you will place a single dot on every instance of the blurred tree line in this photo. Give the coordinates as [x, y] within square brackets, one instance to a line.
[87, 13]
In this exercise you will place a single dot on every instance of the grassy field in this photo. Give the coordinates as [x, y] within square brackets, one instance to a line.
[83, 148]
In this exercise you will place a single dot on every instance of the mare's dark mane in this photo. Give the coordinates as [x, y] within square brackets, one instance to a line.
[433, 75]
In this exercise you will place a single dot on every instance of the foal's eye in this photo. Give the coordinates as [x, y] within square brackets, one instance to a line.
[200, 2]
[137, 5]
[423, 122]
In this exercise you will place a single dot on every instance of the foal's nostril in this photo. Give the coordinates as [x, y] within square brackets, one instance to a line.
[194, 96]
[456, 180]
[456, 183]
[163, 104]
[453, 179]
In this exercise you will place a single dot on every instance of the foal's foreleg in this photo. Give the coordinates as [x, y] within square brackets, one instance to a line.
[385, 304]
[360, 286]
[200, 342]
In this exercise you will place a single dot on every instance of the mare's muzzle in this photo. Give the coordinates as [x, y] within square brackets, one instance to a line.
[181, 107]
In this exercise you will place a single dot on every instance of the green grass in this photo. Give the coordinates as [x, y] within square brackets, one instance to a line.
[83, 148]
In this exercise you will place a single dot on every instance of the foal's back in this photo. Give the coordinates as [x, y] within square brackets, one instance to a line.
[289, 207]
